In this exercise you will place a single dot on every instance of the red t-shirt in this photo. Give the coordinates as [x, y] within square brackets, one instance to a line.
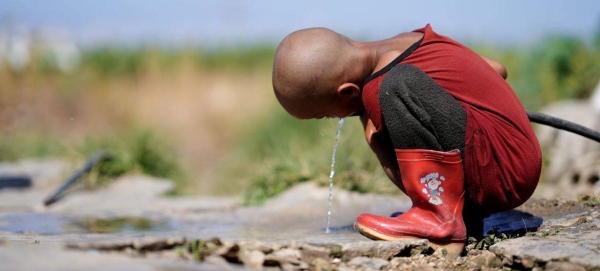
[502, 155]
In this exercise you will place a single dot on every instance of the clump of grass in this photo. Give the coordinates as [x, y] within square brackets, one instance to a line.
[590, 200]
[138, 150]
[198, 250]
[29, 144]
[495, 236]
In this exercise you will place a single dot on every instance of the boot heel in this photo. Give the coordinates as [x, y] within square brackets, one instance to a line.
[454, 249]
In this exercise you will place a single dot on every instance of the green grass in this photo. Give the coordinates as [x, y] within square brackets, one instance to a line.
[273, 152]
[241, 58]
[110, 62]
[29, 144]
[136, 151]
[280, 151]
[140, 150]
[590, 200]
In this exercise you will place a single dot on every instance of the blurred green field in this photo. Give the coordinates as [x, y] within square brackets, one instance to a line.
[207, 118]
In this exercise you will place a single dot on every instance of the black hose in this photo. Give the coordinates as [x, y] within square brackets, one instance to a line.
[563, 125]
[95, 158]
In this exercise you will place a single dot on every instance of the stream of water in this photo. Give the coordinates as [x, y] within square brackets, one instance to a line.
[331, 173]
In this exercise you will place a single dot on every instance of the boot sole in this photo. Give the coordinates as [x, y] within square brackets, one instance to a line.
[453, 249]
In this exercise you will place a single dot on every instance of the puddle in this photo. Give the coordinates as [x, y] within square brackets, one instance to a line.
[309, 229]
[121, 224]
[48, 224]
[32, 223]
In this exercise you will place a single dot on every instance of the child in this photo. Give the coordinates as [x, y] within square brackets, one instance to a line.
[445, 126]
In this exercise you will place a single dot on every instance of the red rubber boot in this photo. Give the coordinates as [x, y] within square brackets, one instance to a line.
[434, 182]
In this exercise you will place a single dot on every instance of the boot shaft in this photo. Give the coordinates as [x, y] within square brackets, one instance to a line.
[433, 179]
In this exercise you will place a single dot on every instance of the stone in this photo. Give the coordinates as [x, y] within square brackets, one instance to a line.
[397, 261]
[287, 259]
[335, 250]
[218, 262]
[369, 263]
[117, 245]
[312, 252]
[383, 249]
[487, 258]
[563, 266]
[528, 262]
[253, 259]
[53, 256]
[345, 267]
[265, 248]
[290, 253]
[320, 264]
[574, 158]
[579, 247]
[229, 251]
[151, 243]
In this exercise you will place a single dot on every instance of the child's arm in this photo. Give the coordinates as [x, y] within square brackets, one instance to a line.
[497, 66]
[383, 150]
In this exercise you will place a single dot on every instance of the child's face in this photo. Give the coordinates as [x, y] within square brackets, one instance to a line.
[347, 108]
[337, 108]
[331, 105]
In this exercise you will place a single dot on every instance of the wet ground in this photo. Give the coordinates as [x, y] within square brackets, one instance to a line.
[131, 226]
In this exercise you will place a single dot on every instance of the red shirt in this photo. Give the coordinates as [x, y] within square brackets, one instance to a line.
[502, 155]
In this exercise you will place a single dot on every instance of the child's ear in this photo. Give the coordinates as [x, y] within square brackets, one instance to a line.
[348, 90]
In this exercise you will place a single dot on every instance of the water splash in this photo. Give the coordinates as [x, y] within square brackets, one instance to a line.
[331, 173]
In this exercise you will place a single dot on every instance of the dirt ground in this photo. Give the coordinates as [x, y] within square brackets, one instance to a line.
[130, 225]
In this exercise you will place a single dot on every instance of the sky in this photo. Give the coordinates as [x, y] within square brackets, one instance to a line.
[216, 22]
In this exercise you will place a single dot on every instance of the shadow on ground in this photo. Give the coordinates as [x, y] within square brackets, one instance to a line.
[511, 221]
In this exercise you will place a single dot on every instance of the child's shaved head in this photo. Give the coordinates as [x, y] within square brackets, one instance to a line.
[309, 67]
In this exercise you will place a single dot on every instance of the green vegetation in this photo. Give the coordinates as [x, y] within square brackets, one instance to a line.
[137, 150]
[243, 58]
[590, 201]
[107, 62]
[269, 154]
[198, 250]
[556, 68]
[29, 144]
[281, 151]
[132, 149]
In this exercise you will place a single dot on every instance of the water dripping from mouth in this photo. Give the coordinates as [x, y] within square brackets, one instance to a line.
[331, 173]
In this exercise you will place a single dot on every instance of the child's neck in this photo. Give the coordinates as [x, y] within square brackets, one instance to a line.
[382, 52]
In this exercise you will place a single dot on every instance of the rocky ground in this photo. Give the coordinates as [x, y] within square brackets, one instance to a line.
[131, 226]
